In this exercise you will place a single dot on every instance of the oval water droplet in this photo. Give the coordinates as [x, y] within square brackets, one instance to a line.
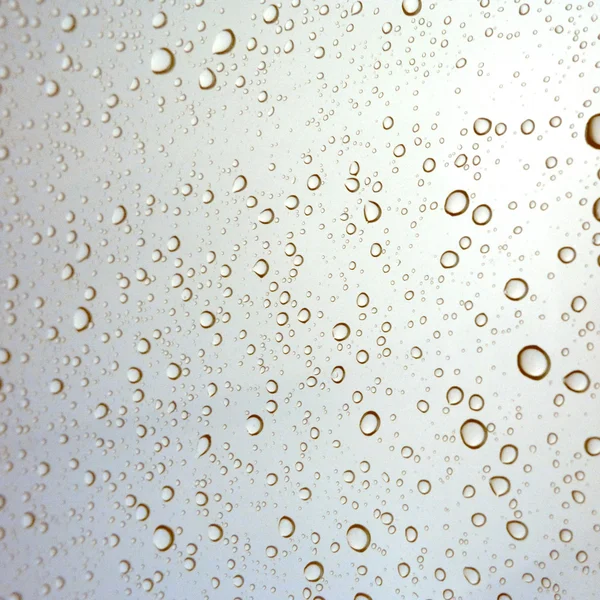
[369, 423]
[163, 538]
[82, 319]
[254, 425]
[207, 79]
[472, 575]
[457, 202]
[358, 537]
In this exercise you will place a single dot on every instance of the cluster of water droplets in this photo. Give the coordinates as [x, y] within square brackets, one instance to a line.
[299, 300]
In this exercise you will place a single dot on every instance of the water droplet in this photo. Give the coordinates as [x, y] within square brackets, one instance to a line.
[411, 7]
[592, 131]
[482, 126]
[472, 575]
[270, 14]
[82, 319]
[287, 527]
[163, 538]
[372, 212]
[204, 444]
[224, 42]
[313, 571]
[341, 332]
[207, 319]
[516, 289]
[592, 446]
[449, 259]
[207, 79]
[456, 203]
[254, 425]
[577, 381]
[369, 423]
[358, 537]
[533, 362]
[162, 61]
[517, 530]
[500, 485]
[473, 433]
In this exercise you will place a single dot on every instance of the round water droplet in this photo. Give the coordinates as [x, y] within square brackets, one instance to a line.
[162, 61]
[215, 532]
[567, 255]
[411, 7]
[516, 289]
[473, 433]
[449, 259]
[482, 126]
[68, 23]
[358, 537]
[456, 203]
[313, 571]
[173, 371]
[207, 319]
[291, 202]
[454, 395]
[482, 215]
[592, 446]
[314, 182]
[341, 332]
[527, 127]
[163, 538]
[533, 362]
[577, 381]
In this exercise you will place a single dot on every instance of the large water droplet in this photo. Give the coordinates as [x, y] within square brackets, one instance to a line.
[577, 381]
[162, 61]
[358, 537]
[533, 362]
[163, 538]
[224, 42]
[473, 433]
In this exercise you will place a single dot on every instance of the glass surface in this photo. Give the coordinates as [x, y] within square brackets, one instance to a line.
[299, 300]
